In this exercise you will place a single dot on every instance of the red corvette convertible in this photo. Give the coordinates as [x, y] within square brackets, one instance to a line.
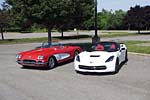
[47, 55]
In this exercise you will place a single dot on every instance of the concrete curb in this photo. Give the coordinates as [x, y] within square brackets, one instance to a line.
[141, 54]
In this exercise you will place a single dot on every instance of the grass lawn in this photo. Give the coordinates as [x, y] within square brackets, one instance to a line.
[133, 47]
[24, 40]
[120, 34]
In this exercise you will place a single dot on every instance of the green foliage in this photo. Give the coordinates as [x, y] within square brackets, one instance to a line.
[89, 24]
[79, 11]
[109, 20]
[37, 28]
[13, 29]
[51, 13]
[5, 19]
[61, 14]
[69, 14]
[82, 11]
[138, 18]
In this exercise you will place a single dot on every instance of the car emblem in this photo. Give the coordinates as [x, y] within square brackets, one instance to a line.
[94, 67]
[91, 62]
[29, 57]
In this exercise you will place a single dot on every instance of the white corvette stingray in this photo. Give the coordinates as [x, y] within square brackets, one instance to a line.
[103, 57]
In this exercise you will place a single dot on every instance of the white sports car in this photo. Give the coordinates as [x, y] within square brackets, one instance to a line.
[103, 57]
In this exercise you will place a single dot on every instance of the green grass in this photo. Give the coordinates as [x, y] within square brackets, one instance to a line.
[120, 34]
[44, 39]
[133, 47]
[25, 40]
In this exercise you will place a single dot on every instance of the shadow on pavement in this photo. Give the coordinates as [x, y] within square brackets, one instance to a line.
[73, 37]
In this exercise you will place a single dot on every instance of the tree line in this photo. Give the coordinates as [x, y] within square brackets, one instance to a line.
[65, 15]
[138, 18]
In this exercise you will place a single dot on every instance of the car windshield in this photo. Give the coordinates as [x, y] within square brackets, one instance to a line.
[105, 46]
[47, 45]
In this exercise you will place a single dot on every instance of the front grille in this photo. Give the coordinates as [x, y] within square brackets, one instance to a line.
[92, 67]
[29, 61]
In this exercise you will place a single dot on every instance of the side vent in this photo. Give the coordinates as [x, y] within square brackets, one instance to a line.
[94, 55]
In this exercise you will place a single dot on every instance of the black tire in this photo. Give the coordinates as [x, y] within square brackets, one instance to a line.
[51, 63]
[126, 56]
[117, 66]
[24, 66]
[77, 72]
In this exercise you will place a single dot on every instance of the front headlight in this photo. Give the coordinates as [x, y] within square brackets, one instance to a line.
[40, 57]
[110, 59]
[78, 58]
[18, 56]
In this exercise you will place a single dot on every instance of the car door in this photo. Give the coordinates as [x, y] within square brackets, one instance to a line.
[68, 50]
[64, 53]
[122, 52]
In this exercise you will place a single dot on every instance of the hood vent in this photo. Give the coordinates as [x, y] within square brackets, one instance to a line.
[94, 55]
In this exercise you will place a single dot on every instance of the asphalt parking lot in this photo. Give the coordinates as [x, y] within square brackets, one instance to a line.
[63, 83]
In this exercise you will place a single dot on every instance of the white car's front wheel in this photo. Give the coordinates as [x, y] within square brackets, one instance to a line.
[126, 56]
[117, 66]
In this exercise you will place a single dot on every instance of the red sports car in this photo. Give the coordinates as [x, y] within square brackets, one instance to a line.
[47, 55]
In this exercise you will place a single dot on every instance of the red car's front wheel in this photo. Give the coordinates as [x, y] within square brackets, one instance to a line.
[51, 62]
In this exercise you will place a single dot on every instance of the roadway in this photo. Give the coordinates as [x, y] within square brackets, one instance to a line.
[63, 83]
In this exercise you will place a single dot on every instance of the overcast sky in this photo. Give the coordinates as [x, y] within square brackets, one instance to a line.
[117, 4]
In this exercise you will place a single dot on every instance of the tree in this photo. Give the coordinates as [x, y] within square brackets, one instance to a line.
[111, 20]
[83, 10]
[51, 13]
[147, 17]
[138, 18]
[4, 19]
[104, 19]
[64, 25]
[119, 19]
[89, 24]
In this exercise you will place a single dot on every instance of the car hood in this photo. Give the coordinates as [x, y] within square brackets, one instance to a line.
[95, 56]
[37, 52]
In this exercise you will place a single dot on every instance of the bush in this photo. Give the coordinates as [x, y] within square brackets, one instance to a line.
[37, 28]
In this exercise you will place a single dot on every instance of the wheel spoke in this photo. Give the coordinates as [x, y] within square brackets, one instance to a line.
[51, 62]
